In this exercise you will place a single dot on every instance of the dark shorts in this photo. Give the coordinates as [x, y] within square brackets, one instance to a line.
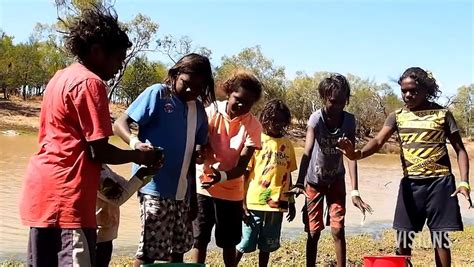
[103, 253]
[430, 201]
[313, 210]
[61, 247]
[226, 215]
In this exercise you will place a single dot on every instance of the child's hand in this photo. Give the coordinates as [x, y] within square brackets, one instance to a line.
[297, 190]
[111, 189]
[214, 178]
[346, 147]
[143, 146]
[143, 172]
[245, 213]
[291, 212]
[272, 204]
[465, 192]
[363, 207]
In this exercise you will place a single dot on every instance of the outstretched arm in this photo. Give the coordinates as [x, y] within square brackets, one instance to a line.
[298, 188]
[355, 195]
[122, 129]
[463, 163]
[347, 147]
[104, 152]
[306, 158]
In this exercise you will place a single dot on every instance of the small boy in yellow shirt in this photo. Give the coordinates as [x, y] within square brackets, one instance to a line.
[269, 178]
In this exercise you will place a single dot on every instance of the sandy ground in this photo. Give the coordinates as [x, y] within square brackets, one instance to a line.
[24, 115]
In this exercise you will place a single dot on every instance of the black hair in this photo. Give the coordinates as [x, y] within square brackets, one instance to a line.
[243, 79]
[335, 82]
[95, 25]
[424, 80]
[268, 115]
[199, 65]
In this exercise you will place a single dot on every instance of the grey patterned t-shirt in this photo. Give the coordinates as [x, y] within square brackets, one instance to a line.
[326, 164]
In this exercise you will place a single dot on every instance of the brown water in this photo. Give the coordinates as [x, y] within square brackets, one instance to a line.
[15, 152]
[379, 178]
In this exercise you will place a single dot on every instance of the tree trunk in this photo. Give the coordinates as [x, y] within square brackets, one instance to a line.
[5, 92]
[24, 92]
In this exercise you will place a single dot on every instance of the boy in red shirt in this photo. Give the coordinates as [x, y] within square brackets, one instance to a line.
[61, 182]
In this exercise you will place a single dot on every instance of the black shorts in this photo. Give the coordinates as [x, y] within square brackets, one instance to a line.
[225, 214]
[429, 200]
[61, 247]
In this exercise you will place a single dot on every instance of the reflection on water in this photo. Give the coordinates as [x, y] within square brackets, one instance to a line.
[379, 178]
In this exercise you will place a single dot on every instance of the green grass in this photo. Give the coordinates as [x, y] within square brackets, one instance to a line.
[292, 252]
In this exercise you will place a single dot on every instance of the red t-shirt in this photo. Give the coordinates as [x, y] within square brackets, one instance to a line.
[61, 181]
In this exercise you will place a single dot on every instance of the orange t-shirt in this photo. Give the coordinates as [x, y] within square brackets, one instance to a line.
[61, 181]
[227, 138]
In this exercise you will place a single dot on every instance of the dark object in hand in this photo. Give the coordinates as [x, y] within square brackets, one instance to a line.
[111, 189]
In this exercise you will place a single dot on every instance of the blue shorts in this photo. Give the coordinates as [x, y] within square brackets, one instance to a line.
[263, 229]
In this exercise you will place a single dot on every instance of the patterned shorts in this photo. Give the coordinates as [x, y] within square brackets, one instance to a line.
[165, 228]
[313, 210]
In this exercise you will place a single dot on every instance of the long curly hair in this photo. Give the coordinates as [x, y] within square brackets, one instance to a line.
[423, 79]
[95, 25]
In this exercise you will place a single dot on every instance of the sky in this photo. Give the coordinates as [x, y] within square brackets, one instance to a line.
[375, 40]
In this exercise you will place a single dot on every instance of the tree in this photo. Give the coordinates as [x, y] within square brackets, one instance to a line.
[370, 103]
[174, 48]
[6, 63]
[389, 100]
[139, 75]
[51, 51]
[67, 9]
[27, 67]
[252, 59]
[463, 108]
[302, 96]
[141, 31]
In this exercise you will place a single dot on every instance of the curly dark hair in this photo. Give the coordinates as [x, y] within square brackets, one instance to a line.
[335, 82]
[95, 25]
[242, 79]
[424, 80]
[195, 64]
[270, 112]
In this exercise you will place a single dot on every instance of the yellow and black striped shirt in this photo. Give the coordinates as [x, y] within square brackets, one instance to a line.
[422, 137]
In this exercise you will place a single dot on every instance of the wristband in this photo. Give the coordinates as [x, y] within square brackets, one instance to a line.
[223, 176]
[355, 193]
[133, 141]
[465, 185]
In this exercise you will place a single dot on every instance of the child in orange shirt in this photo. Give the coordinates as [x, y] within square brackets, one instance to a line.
[234, 135]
